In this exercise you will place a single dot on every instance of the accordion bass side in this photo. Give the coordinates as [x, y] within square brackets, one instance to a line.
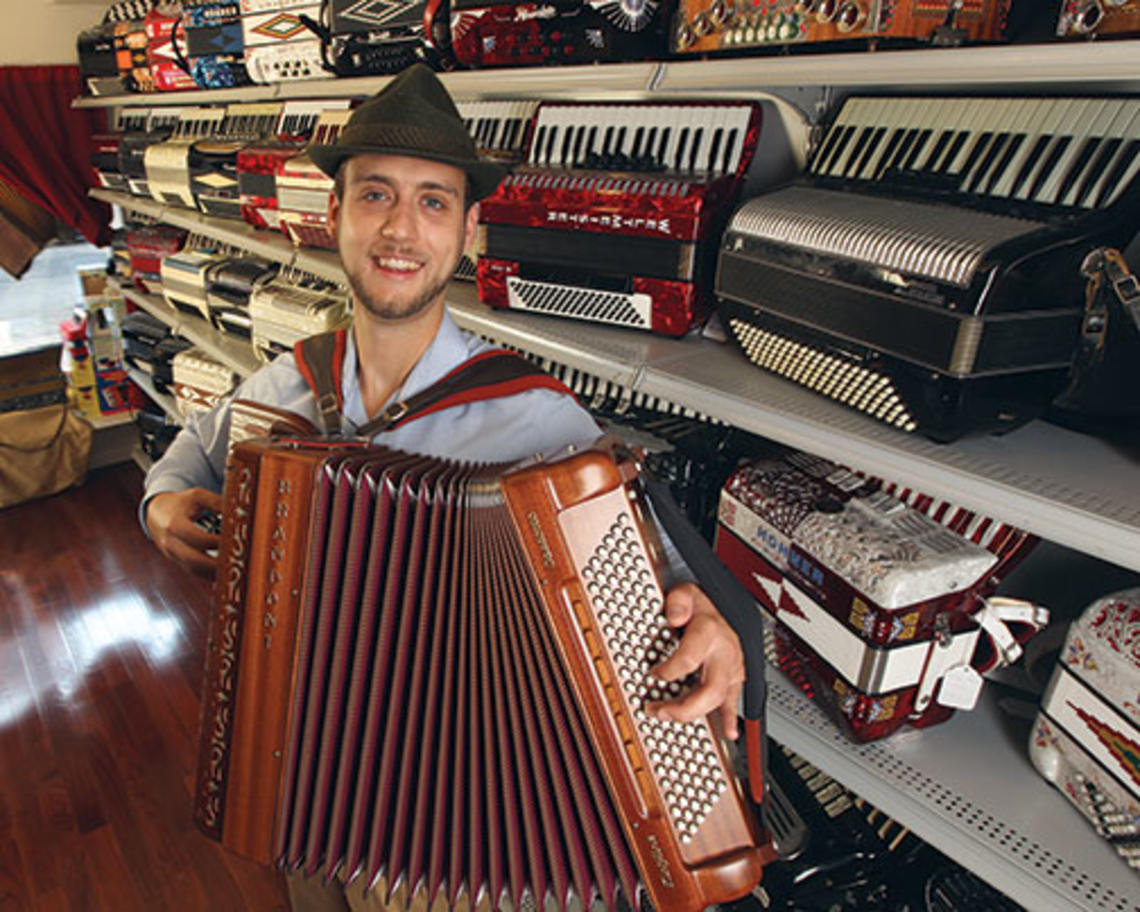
[929, 270]
[465, 715]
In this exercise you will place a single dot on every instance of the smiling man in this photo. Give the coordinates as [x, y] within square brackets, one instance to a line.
[405, 205]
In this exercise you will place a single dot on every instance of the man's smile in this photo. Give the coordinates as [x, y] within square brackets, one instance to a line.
[396, 264]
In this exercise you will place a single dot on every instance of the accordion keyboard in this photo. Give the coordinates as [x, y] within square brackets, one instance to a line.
[1054, 152]
[299, 118]
[498, 126]
[680, 138]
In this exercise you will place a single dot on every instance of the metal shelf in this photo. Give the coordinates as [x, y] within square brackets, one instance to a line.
[234, 353]
[968, 788]
[1070, 488]
[146, 383]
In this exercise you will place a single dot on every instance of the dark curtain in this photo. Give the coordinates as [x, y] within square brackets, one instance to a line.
[45, 152]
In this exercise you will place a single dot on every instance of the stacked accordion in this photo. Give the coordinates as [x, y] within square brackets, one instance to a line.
[437, 675]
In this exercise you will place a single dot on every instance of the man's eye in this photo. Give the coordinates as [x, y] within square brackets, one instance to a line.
[434, 202]
[375, 195]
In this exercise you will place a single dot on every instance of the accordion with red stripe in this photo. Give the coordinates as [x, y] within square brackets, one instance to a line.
[438, 673]
[884, 609]
[609, 218]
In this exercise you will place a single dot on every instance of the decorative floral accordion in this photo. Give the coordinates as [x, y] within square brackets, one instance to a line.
[884, 610]
[1086, 739]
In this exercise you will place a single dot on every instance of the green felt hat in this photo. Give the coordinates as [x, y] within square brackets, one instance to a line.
[412, 115]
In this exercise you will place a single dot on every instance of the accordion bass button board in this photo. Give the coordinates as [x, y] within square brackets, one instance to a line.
[443, 682]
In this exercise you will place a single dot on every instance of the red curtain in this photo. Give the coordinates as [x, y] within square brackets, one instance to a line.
[46, 149]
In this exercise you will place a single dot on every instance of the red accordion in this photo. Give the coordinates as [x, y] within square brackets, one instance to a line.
[147, 246]
[612, 219]
[437, 673]
[884, 608]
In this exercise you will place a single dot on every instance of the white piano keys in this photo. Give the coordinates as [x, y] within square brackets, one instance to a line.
[1037, 117]
[1004, 119]
[1085, 188]
[891, 148]
[1087, 113]
[981, 119]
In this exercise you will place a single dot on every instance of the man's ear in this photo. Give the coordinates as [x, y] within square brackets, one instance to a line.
[334, 209]
[471, 225]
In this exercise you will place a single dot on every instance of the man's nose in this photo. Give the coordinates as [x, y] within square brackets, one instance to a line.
[400, 222]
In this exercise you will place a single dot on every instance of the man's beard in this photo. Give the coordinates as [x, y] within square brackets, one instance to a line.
[388, 310]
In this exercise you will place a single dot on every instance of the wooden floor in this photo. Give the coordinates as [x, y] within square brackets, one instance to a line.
[101, 644]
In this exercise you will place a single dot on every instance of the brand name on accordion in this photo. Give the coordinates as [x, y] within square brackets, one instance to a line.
[660, 860]
[540, 539]
[608, 220]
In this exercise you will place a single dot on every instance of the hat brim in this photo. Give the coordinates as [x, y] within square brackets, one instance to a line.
[482, 176]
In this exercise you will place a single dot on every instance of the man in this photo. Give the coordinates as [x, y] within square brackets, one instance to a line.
[405, 206]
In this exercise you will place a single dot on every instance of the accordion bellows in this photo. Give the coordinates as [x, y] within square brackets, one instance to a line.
[1086, 740]
[435, 675]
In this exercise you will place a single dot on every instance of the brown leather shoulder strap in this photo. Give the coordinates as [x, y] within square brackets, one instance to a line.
[490, 375]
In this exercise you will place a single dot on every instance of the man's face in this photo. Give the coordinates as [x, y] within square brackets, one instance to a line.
[400, 229]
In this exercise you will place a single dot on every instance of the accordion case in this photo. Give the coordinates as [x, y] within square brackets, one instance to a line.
[429, 689]
[608, 220]
[928, 271]
[702, 26]
[883, 613]
[380, 36]
[564, 31]
[1086, 740]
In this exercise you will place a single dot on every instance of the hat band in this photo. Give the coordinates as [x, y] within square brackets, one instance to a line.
[411, 137]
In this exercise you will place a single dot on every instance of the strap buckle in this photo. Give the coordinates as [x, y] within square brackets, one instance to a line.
[393, 414]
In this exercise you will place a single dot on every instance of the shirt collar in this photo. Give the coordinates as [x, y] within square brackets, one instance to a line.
[446, 352]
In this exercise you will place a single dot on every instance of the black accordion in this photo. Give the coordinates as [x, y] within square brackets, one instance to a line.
[927, 269]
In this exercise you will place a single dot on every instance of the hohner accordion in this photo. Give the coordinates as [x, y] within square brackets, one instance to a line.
[882, 608]
[229, 284]
[130, 54]
[500, 130]
[141, 130]
[436, 673]
[259, 164]
[292, 306]
[184, 276]
[702, 26]
[147, 245]
[303, 189]
[927, 271]
[280, 46]
[98, 62]
[368, 37]
[168, 163]
[488, 34]
[214, 45]
[1098, 18]
[166, 47]
[201, 381]
[1086, 739]
[608, 219]
[213, 160]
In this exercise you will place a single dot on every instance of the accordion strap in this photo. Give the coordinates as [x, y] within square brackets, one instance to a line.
[490, 375]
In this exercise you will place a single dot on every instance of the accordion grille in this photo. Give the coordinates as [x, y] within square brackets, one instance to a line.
[595, 305]
[943, 243]
[867, 390]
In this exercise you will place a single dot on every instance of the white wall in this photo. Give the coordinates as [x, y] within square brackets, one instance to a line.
[43, 31]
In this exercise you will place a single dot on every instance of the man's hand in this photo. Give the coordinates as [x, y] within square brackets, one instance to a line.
[709, 645]
[172, 520]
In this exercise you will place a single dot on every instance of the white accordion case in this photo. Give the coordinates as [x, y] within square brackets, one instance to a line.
[1086, 739]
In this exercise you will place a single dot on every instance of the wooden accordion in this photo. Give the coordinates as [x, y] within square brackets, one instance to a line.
[434, 676]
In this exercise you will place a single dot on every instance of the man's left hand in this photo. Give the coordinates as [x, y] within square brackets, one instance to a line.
[708, 645]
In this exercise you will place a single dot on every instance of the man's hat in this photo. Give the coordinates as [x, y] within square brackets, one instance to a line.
[412, 115]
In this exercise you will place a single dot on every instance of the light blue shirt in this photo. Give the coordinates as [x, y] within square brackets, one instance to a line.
[494, 430]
